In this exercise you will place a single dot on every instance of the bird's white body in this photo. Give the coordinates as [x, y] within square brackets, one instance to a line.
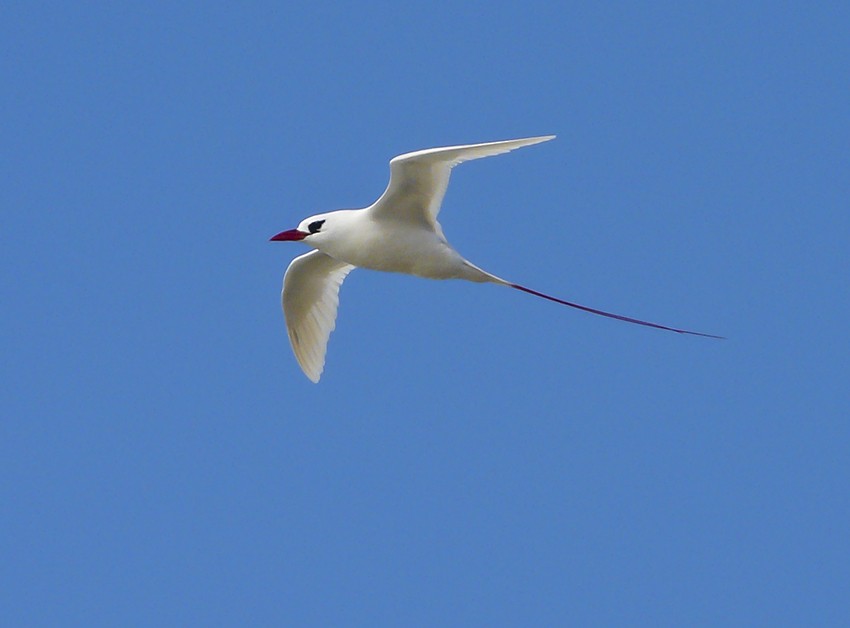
[398, 233]
[397, 247]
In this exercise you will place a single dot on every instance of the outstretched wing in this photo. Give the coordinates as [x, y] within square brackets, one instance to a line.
[310, 298]
[418, 180]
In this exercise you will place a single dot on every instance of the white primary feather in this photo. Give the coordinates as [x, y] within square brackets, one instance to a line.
[310, 299]
[418, 180]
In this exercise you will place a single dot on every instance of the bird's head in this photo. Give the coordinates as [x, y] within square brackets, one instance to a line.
[311, 230]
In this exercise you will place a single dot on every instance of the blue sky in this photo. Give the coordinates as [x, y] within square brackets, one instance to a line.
[473, 455]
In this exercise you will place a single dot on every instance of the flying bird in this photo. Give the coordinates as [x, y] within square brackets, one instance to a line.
[398, 233]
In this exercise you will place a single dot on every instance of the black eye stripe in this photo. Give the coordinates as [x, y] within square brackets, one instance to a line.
[315, 226]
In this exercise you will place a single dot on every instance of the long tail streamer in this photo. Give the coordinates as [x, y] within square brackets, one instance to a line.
[610, 315]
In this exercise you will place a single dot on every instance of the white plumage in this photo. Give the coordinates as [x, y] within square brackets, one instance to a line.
[398, 233]
[310, 298]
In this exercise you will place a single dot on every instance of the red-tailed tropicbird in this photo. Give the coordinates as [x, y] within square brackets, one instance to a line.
[398, 233]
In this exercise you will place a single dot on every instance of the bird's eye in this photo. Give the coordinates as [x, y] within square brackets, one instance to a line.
[314, 227]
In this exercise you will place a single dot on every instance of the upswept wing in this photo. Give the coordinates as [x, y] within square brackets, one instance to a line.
[310, 299]
[418, 180]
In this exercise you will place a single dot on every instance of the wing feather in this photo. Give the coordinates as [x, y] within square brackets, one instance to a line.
[310, 300]
[418, 180]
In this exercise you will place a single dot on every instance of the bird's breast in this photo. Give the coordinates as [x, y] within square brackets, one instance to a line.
[410, 251]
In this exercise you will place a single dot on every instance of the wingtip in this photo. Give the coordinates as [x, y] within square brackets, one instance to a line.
[312, 370]
[535, 139]
[311, 374]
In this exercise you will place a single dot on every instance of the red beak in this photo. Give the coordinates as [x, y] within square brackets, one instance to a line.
[292, 234]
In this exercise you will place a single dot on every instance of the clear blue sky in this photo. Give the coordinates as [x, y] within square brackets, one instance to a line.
[473, 455]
